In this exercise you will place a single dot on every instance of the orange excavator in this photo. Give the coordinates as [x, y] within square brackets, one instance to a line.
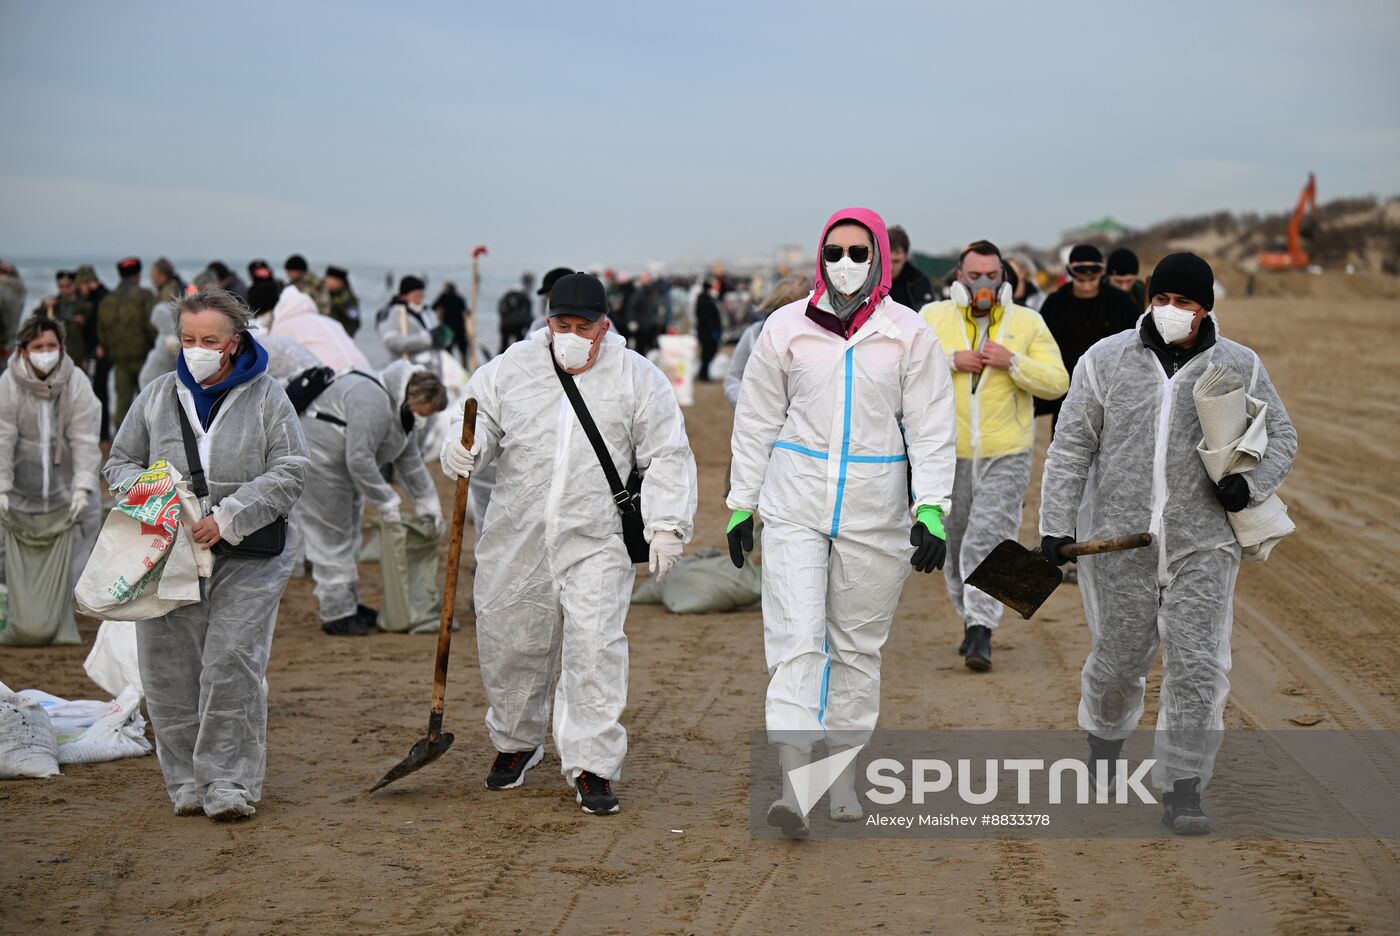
[1292, 256]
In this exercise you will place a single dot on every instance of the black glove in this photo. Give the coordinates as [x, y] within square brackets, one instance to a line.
[929, 550]
[443, 336]
[1050, 548]
[740, 541]
[1233, 493]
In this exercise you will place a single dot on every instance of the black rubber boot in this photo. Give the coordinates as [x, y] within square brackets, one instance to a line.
[1181, 808]
[979, 648]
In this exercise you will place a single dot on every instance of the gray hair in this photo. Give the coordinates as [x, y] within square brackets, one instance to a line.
[425, 389]
[214, 299]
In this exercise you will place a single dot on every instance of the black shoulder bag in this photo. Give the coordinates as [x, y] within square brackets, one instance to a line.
[264, 543]
[628, 498]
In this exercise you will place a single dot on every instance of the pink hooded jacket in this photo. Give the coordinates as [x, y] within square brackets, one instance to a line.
[876, 226]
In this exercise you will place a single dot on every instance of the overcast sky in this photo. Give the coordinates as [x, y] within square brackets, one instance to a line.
[579, 133]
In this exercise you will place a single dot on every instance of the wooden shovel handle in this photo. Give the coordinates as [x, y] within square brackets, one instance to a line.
[449, 586]
[1117, 544]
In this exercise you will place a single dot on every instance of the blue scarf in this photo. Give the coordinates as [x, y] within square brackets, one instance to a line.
[249, 361]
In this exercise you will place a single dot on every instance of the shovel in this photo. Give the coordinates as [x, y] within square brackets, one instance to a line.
[436, 742]
[1022, 578]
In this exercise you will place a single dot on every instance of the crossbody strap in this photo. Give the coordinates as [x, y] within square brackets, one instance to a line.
[621, 496]
[197, 484]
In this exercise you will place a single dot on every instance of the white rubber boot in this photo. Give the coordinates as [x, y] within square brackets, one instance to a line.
[785, 814]
[843, 801]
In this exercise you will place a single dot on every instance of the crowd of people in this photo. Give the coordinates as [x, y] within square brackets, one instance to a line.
[883, 424]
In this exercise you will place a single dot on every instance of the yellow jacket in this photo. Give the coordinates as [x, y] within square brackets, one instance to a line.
[997, 418]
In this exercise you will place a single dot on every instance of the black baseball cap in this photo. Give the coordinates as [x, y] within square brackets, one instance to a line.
[552, 277]
[578, 294]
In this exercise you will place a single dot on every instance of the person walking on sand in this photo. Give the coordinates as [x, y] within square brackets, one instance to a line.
[554, 577]
[845, 406]
[1125, 457]
[1002, 358]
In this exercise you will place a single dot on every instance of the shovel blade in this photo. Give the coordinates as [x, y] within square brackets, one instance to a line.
[1017, 577]
[427, 750]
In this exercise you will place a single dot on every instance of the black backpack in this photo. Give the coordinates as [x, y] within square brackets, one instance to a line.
[515, 311]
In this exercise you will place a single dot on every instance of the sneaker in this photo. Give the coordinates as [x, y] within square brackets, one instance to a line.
[508, 772]
[1101, 749]
[595, 794]
[352, 625]
[979, 648]
[967, 639]
[1181, 808]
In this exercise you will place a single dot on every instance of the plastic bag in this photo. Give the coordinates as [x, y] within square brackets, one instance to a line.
[113, 664]
[91, 732]
[38, 566]
[409, 561]
[679, 359]
[145, 563]
[28, 748]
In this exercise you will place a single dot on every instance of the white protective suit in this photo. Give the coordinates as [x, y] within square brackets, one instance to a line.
[202, 665]
[295, 316]
[352, 430]
[1124, 460]
[407, 334]
[161, 358]
[825, 435]
[48, 448]
[552, 542]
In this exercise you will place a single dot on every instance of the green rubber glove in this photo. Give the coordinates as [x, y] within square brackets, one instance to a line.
[736, 518]
[932, 518]
[739, 533]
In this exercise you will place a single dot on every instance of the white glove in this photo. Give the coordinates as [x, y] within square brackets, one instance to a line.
[80, 502]
[666, 548]
[457, 459]
[390, 515]
[172, 344]
[433, 511]
[4, 502]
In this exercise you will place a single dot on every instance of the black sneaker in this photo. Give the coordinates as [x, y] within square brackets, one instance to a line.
[367, 614]
[352, 625]
[595, 794]
[967, 639]
[1181, 808]
[508, 772]
[1101, 749]
[979, 648]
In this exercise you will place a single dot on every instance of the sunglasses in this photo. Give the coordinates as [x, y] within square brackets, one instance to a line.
[1086, 269]
[832, 253]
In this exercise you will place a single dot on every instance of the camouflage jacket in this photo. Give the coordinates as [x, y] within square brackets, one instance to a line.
[311, 284]
[345, 309]
[124, 322]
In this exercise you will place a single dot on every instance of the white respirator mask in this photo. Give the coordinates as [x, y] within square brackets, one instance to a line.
[570, 350]
[203, 363]
[847, 276]
[1173, 324]
[43, 361]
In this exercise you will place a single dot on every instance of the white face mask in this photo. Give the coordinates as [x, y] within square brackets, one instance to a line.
[1173, 324]
[203, 363]
[44, 361]
[571, 350]
[847, 275]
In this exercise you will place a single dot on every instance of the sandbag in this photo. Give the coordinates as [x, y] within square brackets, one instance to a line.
[113, 663]
[145, 562]
[28, 749]
[409, 560]
[38, 566]
[705, 583]
[91, 732]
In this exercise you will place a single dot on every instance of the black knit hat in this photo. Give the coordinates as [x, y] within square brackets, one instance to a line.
[410, 284]
[1085, 253]
[295, 263]
[1122, 262]
[1186, 275]
[338, 272]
